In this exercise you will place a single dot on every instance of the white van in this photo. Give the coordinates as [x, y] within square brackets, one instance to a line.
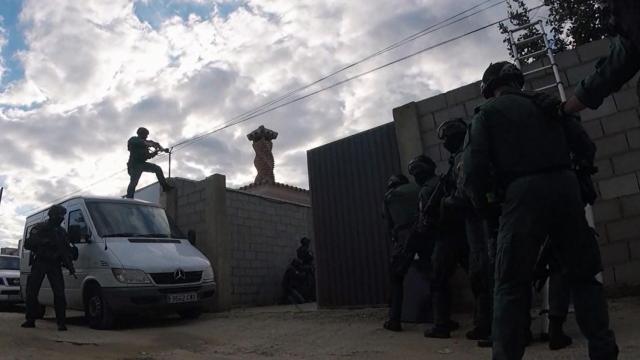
[131, 261]
[9, 280]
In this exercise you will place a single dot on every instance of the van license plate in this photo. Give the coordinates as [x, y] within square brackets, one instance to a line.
[182, 298]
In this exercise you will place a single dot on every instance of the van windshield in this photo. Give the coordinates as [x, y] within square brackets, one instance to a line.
[122, 219]
[9, 263]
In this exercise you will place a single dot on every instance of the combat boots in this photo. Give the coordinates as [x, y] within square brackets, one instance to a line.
[557, 338]
[29, 324]
[393, 325]
[442, 332]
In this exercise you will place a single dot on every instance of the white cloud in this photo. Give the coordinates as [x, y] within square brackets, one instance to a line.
[96, 73]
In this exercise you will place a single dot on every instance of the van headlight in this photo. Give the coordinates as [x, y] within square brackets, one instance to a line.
[207, 274]
[131, 276]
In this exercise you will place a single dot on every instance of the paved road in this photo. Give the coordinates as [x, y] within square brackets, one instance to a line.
[274, 333]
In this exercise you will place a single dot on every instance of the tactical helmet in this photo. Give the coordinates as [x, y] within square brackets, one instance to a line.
[422, 164]
[450, 127]
[57, 211]
[396, 180]
[500, 74]
[142, 131]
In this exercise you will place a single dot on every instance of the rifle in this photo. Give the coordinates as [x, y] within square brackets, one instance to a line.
[156, 146]
[430, 216]
[584, 171]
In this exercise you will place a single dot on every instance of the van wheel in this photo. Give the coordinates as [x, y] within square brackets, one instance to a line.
[192, 313]
[40, 311]
[97, 311]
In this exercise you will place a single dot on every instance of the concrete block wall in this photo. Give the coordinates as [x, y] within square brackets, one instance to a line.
[190, 203]
[249, 239]
[265, 234]
[201, 206]
[615, 127]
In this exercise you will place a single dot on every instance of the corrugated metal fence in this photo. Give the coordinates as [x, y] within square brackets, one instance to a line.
[348, 180]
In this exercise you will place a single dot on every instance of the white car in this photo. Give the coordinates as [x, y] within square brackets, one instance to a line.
[130, 261]
[10, 280]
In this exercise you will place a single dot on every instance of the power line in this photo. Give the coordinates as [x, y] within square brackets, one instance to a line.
[263, 112]
[429, 30]
[339, 83]
[342, 82]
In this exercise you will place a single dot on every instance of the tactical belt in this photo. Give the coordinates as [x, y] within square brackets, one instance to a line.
[548, 170]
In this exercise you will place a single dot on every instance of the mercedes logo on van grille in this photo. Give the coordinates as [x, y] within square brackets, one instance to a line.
[179, 275]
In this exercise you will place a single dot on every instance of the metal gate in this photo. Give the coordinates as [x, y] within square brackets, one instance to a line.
[348, 181]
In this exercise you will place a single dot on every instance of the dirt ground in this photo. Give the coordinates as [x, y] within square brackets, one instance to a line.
[275, 333]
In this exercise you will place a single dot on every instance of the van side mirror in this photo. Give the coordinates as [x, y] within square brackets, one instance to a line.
[79, 234]
[191, 236]
[74, 234]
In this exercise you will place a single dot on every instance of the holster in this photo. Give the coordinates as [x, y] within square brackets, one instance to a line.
[587, 188]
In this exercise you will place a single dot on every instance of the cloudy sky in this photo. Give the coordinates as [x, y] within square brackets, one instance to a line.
[78, 77]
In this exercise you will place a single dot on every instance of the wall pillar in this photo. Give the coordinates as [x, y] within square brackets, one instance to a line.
[407, 134]
[169, 201]
[215, 242]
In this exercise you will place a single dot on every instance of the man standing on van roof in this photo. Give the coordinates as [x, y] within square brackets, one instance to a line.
[50, 251]
[138, 155]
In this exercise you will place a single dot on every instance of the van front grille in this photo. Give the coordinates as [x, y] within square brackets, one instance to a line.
[169, 278]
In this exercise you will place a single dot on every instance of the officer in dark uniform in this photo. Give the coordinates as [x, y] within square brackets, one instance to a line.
[50, 251]
[582, 150]
[305, 255]
[138, 155]
[457, 212]
[401, 212]
[450, 249]
[304, 252]
[530, 156]
[619, 67]
[428, 234]
[293, 283]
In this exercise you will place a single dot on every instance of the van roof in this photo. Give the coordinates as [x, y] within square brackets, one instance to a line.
[95, 198]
